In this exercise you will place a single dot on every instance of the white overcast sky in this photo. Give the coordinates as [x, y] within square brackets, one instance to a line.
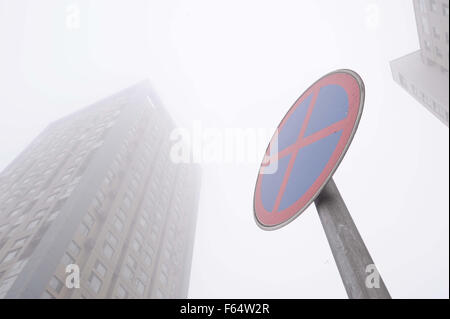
[241, 63]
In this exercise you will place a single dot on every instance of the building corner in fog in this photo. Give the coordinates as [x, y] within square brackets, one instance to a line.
[424, 73]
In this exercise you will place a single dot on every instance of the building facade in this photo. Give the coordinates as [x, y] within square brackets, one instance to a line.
[97, 191]
[424, 73]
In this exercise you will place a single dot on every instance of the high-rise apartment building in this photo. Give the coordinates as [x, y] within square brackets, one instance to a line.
[424, 73]
[97, 189]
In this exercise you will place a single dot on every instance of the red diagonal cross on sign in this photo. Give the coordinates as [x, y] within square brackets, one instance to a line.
[302, 142]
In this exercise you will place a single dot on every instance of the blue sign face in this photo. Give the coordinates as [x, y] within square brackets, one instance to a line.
[312, 139]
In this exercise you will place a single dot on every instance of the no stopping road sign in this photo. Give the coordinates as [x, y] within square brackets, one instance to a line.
[312, 139]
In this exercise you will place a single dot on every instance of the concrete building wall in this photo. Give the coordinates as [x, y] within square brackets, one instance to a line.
[99, 191]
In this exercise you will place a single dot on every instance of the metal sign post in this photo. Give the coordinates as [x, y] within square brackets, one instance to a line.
[357, 269]
[310, 143]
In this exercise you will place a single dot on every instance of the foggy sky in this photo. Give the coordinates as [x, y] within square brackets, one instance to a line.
[242, 64]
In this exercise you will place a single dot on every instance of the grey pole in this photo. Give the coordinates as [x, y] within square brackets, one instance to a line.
[356, 267]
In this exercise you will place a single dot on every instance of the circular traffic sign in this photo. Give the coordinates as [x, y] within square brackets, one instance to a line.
[307, 148]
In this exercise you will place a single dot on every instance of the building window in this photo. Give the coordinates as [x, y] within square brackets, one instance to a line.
[121, 292]
[163, 278]
[436, 33]
[422, 6]
[121, 214]
[112, 239]
[425, 25]
[100, 268]
[436, 107]
[167, 253]
[108, 251]
[445, 10]
[55, 284]
[84, 230]
[12, 229]
[68, 191]
[118, 224]
[139, 237]
[20, 242]
[3, 227]
[159, 294]
[70, 170]
[147, 260]
[47, 295]
[143, 222]
[39, 195]
[57, 189]
[51, 197]
[134, 183]
[131, 261]
[89, 220]
[108, 179]
[6, 284]
[140, 287]
[33, 224]
[40, 212]
[144, 276]
[53, 215]
[423, 97]
[67, 259]
[14, 213]
[96, 204]
[73, 248]
[100, 196]
[433, 5]
[413, 89]
[127, 272]
[95, 283]
[19, 220]
[9, 200]
[402, 80]
[153, 235]
[11, 255]
[65, 178]
[127, 200]
[136, 245]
